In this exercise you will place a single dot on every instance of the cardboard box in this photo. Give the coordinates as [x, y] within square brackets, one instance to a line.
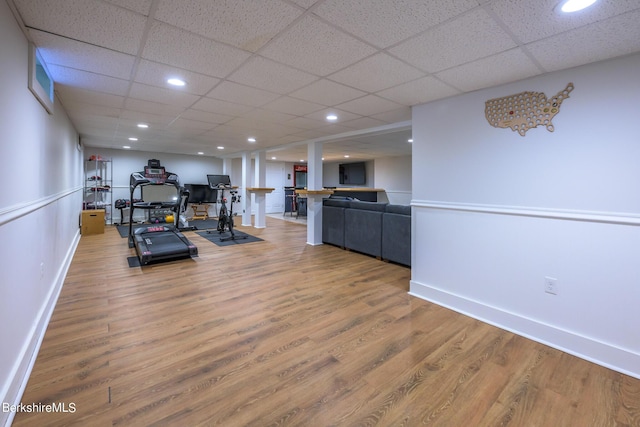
[92, 222]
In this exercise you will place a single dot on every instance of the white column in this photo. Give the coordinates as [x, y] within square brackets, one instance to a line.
[227, 166]
[246, 196]
[260, 196]
[314, 202]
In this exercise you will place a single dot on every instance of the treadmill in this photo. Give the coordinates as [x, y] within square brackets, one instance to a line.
[158, 242]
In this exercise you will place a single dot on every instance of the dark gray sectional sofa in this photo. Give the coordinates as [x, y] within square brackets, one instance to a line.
[377, 229]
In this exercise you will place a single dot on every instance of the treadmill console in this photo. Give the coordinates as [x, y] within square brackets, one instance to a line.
[155, 175]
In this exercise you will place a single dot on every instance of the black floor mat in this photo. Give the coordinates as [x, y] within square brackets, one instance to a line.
[217, 238]
[133, 261]
[200, 224]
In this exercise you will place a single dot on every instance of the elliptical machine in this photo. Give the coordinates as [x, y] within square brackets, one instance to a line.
[225, 216]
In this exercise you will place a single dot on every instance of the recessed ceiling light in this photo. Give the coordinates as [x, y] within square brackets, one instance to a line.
[569, 6]
[302, 160]
[176, 82]
[251, 139]
[410, 140]
[346, 156]
[220, 147]
[126, 147]
[200, 153]
[133, 139]
[143, 125]
[332, 117]
[273, 158]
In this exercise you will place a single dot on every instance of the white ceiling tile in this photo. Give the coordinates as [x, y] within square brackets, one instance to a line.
[240, 94]
[376, 73]
[72, 94]
[536, 20]
[195, 126]
[502, 68]
[419, 91]
[93, 110]
[230, 133]
[610, 38]
[306, 123]
[205, 116]
[306, 4]
[363, 123]
[97, 23]
[327, 92]
[368, 105]
[315, 47]
[82, 56]
[395, 116]
[155, 74]
[399, 18]
[140, 6]
[293, 106]
[268, 115]
[175, 97]
[464, 39]
[219, 106]
[170, 45]
[245, 24]
[89, 81]
[153, 107]
[152, 119]
[265, 74]
[342, 115]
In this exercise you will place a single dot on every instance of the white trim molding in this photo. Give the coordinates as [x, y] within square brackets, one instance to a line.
[14, 212]
[601, 353]
[571, 215]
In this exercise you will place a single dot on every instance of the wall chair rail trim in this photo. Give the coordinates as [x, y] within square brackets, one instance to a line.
[620, 218]
[14, 212]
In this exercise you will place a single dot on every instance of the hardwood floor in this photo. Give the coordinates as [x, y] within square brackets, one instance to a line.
[280, 333]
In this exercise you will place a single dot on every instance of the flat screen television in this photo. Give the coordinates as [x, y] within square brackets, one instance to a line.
[201, 193]
[353, 173]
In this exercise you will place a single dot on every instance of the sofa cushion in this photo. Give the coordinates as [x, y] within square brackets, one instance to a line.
[343, 203]
[363, 230]
[396, 238]
[333, 225]
[398, 209]
[368, 206]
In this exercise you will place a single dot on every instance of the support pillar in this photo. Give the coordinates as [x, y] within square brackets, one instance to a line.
[246, 196]
[314, 196]
[260, 196]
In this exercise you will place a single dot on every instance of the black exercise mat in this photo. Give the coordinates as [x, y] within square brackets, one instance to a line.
[199, 224]
[215, 237]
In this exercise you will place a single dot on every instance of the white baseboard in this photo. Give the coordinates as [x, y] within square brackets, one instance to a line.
[601, 353]
[24, 365]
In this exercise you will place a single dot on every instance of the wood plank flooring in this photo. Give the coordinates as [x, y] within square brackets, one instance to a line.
[281, 333]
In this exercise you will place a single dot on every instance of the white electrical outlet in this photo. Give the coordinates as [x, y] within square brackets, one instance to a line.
[551, 285]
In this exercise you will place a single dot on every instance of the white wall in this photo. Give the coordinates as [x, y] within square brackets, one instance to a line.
[393, 174]
[40, 204]
[495, 213]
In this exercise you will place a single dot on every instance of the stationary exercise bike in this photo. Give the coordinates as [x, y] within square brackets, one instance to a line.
[225, 216]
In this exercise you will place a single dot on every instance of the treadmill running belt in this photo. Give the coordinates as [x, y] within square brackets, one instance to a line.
[162, 246]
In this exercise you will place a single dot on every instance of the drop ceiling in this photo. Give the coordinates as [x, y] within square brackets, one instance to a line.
[273, 69]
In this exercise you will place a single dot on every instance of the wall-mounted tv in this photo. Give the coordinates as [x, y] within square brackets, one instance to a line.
[201, 193]
[353, 173]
